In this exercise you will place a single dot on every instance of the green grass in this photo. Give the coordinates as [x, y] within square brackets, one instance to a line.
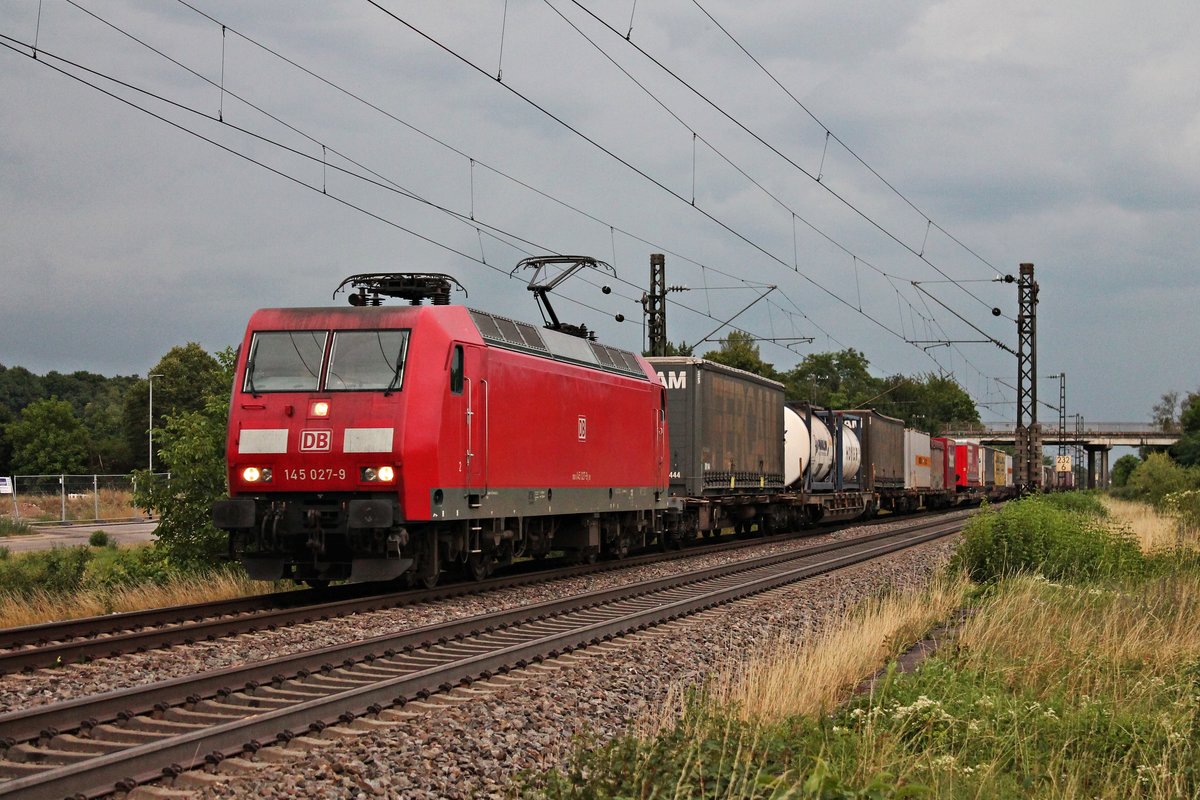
[15, 527]
[1083, 685]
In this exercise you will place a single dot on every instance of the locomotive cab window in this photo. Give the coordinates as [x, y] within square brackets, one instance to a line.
[367, 361]
[285, 361]
[456, 370]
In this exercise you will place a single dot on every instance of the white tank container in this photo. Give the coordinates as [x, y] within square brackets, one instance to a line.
[811, 451]
[851, 453]
[797, 447]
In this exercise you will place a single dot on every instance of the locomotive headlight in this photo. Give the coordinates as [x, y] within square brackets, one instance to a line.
[256, 475]
[318, 408]
[377, 474]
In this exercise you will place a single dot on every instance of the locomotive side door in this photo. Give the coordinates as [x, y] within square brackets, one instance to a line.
[468, 380]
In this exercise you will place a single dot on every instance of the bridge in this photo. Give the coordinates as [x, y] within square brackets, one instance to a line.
[1096, 438]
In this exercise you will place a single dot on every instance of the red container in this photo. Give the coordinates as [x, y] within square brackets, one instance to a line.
[966, 466]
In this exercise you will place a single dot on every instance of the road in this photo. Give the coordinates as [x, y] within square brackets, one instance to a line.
[49, 536]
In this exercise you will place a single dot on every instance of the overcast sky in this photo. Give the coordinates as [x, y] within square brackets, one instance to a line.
[952, 141]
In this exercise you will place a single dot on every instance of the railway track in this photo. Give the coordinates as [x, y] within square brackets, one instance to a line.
[73, 641]
[113, 742]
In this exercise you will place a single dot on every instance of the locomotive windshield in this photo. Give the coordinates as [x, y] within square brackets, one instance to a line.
[366, 360]
[285, 361]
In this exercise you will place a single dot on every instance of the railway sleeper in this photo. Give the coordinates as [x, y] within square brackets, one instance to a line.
[11, 770]
[69, 741]
[33, 754]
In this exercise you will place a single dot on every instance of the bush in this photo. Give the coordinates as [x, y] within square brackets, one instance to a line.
[10, 526]
[111, 568]
[1034, 535]
[1078, 502]
[98, 539]
[57, 571]
[1159, 476]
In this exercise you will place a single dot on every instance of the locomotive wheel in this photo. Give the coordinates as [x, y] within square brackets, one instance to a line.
[478, 566]
[429, 581]
[317, 583]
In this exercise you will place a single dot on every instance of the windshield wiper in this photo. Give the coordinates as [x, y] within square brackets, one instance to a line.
[391, 387]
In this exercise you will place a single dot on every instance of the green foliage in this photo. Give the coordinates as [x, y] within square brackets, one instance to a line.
[1123, 468]
[55, 571]
[1035, 535]
[95, 400]
[681, 349]
[1186, 505]
[67, 570]
[10, 526]
[193, 452]
[98, 539]
[1081, 502]
[833, 380]
[110, 568]
[184, 377]
[1159, 476]
[48, 439]
[932, 403]
[708, 754]
[740, 351]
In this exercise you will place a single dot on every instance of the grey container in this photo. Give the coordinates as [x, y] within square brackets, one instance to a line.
[937, 455]
[725, 428]
[882, 450]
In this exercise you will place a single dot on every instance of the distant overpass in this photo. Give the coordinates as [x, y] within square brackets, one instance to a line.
[1095, 435]
[1096, 438]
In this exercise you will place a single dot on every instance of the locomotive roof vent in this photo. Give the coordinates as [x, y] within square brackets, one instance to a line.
[543, 282]
[415, 287]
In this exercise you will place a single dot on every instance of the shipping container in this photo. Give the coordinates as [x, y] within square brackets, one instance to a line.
[882, 440]
[949, 458]
[1002, 477]
[917, 460]
[987, 465]
[725, 428]
[966, 467]
[937, 458]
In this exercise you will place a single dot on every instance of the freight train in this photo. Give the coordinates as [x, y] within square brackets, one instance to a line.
[381, 442]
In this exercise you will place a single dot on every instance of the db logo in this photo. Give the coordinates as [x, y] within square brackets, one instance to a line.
[315, 441]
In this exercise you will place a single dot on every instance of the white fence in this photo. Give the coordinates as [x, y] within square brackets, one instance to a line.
[69, 498]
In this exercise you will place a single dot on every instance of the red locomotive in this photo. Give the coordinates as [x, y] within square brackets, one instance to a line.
[373, 442]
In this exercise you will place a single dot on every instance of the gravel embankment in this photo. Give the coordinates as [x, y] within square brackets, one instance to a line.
[474, 748]
[42, 687]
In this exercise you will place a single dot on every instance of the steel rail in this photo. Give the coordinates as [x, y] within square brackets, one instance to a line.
[636, 609]
[101, 637]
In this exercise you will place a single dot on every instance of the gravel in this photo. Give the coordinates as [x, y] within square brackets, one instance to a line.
[473, 749]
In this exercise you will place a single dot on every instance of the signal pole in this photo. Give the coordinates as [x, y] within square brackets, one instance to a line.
[1028, 437]
[656, 305]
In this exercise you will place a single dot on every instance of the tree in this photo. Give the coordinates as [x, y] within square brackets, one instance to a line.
[191, 447]
[681, 349]
[1123, 468]
[738, 350]
[1164, 414]
[833, 380]
[1187, 450]
[182, 378]
[47, 439]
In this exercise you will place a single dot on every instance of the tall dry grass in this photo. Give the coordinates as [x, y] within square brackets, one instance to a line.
[790, 674]
[41, 607]
[1081, 641]
[1155, 531]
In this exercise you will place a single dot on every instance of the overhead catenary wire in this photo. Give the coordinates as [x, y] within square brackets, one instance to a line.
[637, 170]
[787, 159]
[332, 166]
